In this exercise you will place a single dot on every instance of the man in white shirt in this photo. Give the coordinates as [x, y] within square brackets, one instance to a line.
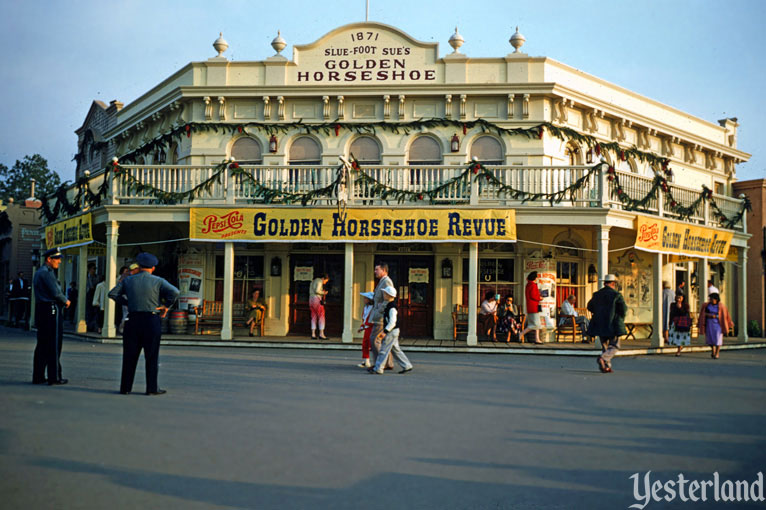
[712, 288]
[568, 308]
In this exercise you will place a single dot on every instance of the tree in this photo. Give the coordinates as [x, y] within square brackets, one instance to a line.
[15, 182]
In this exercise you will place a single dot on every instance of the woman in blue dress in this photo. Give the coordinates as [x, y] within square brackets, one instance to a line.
[715, 321]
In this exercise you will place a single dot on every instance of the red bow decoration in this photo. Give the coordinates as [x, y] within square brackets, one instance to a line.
[234, 165]
[610, 170]
[355, 165]
[598, 149]
[239, 128]
[420, 196]
[610, 177]
[673, 203]
[337, 129]
[619, 192]
[622, 155]
[465, 129]
[540, 134]
[476, 169]
[188, 131]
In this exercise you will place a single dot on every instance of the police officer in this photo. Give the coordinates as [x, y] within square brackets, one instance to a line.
[148, 298]
[49, 301]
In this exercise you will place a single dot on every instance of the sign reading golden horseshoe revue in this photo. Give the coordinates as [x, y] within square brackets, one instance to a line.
[69, 233]
[663, 236]
[365, 53]
[276, 224]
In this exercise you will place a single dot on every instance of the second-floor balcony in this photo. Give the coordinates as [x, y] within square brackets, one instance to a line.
[510, 186]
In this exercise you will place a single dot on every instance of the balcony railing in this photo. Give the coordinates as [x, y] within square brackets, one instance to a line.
[595, 192]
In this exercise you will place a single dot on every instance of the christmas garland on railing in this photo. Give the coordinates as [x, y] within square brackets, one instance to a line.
[278, 196]
[170, 197]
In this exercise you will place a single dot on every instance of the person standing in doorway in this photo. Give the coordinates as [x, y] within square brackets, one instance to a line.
[317, 295]
[18, 297]
[681, 289]
[377, 315]
[99, 296]
[49, 304]
[712, 289]
[608, 310]
[533, 298]
[91, 281]
[148, 297]
[715, 322]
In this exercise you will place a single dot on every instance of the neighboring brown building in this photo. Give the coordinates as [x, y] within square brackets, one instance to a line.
[19, 235]
[756, 255]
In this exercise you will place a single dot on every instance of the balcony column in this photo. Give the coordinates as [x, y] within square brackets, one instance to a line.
[703, 275]
[742, 296]
[112, 234]
[658, 339]
[348, 298]
[228, 290]
[603, 254]
[61, 272]
[473, 291]
[82, 276]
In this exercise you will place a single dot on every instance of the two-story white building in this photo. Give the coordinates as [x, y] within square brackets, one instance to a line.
[466, 174]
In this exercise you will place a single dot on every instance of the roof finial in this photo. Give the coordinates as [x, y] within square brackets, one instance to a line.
[517, 40]
[220, 45]
[456, 41]
[278, 43]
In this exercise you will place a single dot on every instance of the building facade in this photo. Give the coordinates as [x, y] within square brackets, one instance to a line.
[253, 174]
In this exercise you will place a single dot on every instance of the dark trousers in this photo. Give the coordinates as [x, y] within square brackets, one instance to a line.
[142, 331]
[50, 335]
[19, 315]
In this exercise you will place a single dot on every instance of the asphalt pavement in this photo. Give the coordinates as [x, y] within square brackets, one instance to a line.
[257, 428]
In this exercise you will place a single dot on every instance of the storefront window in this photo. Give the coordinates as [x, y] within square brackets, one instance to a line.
[568, 282]
[248, 275]
[496, 275]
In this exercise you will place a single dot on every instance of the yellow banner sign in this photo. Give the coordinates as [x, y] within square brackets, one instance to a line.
[663, 236]
[70, 233]
[356, 225]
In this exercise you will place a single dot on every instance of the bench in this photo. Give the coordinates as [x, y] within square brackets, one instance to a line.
[211, 314]
[567, 325]
[631, 327]
[459, 321]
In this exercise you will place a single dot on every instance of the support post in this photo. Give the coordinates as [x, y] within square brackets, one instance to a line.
[473, 291]
[348, 299]
[82, 275]
[658, 339]
[703, 275]
[228, 290]
[742, 296]
[112, 235]
[603, 254]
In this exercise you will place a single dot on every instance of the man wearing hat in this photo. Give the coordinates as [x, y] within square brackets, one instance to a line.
[148, 298]
[378, 307]
[49, 302]
[608, 309]
[389, 336]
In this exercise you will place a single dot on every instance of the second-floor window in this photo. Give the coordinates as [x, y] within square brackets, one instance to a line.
[487, 150]
[247, 150]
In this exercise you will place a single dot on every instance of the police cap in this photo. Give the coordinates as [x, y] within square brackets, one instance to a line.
[145, 259]
[53, 253]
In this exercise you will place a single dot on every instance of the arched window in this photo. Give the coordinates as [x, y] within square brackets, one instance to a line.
[487, 149]
[305, 151]
[247, 150]
[425, 151]
[574, 154]
[366, 150]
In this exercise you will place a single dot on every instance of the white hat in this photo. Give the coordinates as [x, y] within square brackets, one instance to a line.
[610, 278]
[390, 291]
[368, 295]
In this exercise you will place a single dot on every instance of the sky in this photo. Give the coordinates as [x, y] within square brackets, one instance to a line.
[699, 56]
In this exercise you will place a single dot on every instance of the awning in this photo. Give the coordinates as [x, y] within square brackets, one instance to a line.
[70, 233]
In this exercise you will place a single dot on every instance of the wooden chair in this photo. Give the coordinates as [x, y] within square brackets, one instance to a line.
[459, 321]
[567, 324]
[211, 314]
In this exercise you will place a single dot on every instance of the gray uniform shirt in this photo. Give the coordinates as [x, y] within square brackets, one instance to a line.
[378, 303]
[46, 285]
[144, 292]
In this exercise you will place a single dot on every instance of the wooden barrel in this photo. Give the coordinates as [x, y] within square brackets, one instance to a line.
[178, 321]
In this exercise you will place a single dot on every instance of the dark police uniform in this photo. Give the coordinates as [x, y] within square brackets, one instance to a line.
[49, 303]
[143, 292]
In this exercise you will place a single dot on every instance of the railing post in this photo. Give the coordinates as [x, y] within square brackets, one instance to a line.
[660, 206]
[228, 193]
[602, 186]
[111, 199]
[706, 213]
[474, 200]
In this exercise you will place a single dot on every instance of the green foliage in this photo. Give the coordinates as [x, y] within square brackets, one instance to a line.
[15, 182]
[754, 329]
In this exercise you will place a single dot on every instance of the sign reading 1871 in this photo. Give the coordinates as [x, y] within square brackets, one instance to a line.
[365, 53]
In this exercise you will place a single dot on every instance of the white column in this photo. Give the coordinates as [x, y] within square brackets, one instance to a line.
[703, 275]
[61, 274]
[473, 291]
[82, 276]
[603, 254]
[742, 296]
[348, 294]
[112, 234]
[228, 290]
[658, 340]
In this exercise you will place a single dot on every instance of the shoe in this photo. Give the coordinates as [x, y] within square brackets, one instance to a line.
[313, 337]
[372, 371]
[252, 334]
[539, 342]
[364, 364]
[405, 370]
[608, 370]
[601, 364]
[323, 337]
[58, 382]
[389, 368]
[124, 392]
[158, 392]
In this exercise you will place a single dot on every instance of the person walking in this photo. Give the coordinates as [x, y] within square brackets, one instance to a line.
[49, 317]
[533, 298]
[18, 299]
[389, 336]
[367, 328]
[668, 301]
[317, 295]
[148, 298]
[716, 322]
[99, 296]
[608, 309]
[378, 308]
[680, 324]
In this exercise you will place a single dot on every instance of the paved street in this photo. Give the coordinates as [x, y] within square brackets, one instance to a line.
[281, 429]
